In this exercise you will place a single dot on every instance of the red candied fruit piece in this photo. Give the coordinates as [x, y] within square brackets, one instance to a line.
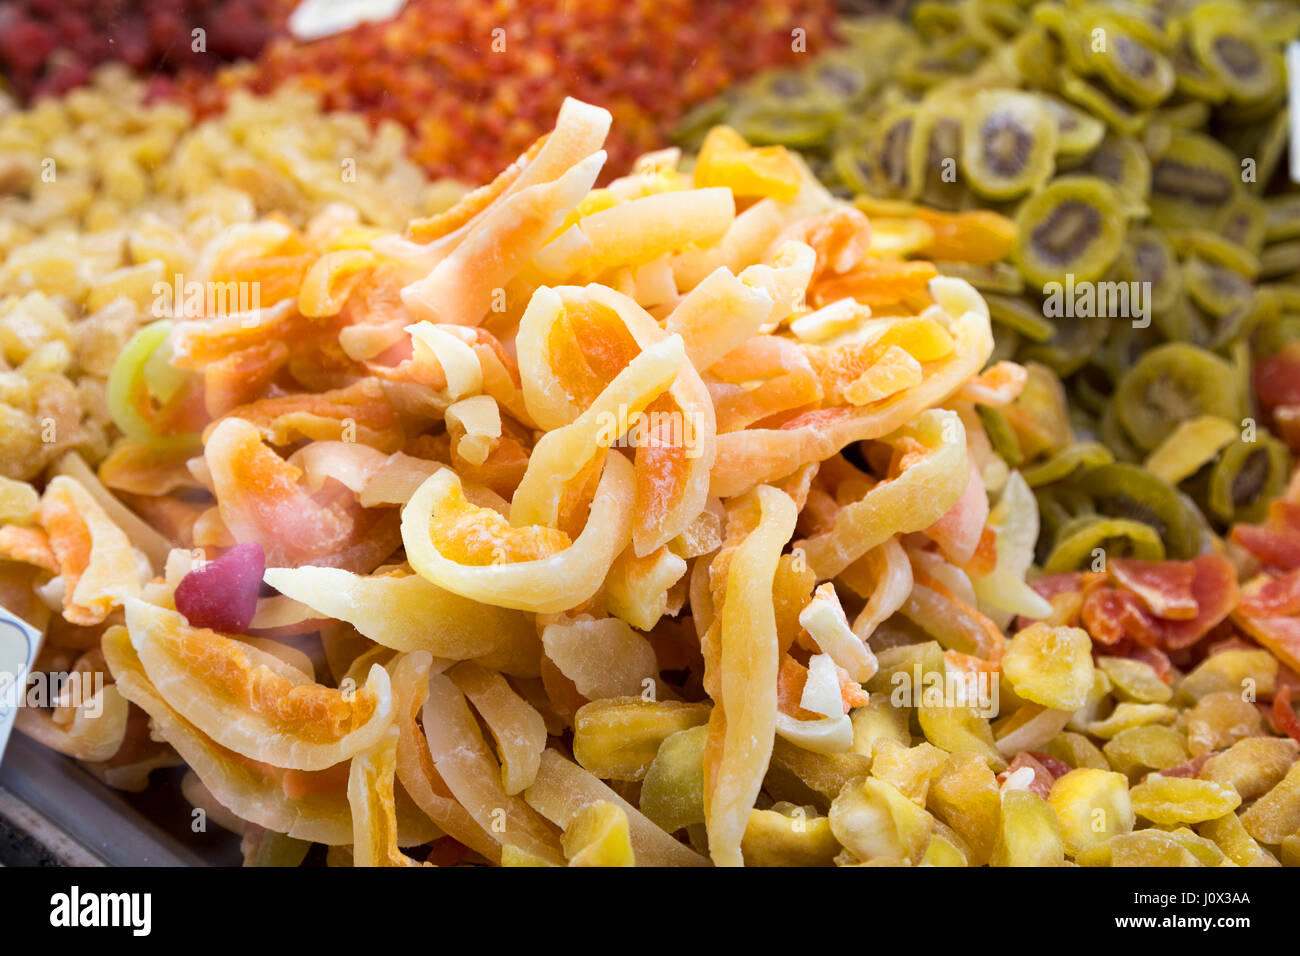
[1274, 597]
[222, 594]
[1284, 715]
[1277, 378]
[1277, 541]
[1165, 587]
[1043, 778]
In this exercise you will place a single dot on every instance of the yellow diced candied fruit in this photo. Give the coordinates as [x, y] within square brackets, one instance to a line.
[959, 730]
[1092, 806]
[1076, 750]
[1135, 680]
[1170, 800]
[910, 769]
[513, 856]
[965, 797]
[1276, 815]
[1289, 850]
[1139, 750]
[872, 820]
[1127, 715]
[1150, 848]
[1252, 766]
[800, 775]
[1231, 837]
[1219, 720]
[618, 737]
[1234, 671]
[598, 836]
[788, 836]
[725, 159]
[1028, 832]
[878, 719]
[1207, 852]
[672, 793]
[1050, 665]
[945, 849]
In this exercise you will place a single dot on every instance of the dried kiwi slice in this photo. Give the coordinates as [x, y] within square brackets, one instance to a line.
[987, 277]
[1247, 476]
[1149, 258]
[1245, 222]
[1008, 143]
[798, 124]
[841, 75]
[1282, 217]
[1280, 259]
[1073, 342]
[1132, 67]
[1072, 227]
[1122, 162]
[1192, 114]
[1129, 491]
[1078, 542]
[1021, 315]
[1192, 79]
[1215, 248]
[1171, 384]
[1232, 50]
[1193, 183]
[896, 172]
[1116, 113]
[936, 147]
[1214, 287]
[1077, 132]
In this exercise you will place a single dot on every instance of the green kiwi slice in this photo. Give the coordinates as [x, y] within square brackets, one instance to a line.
[1116, 113]
[1018, 314]
[1130, 492]
[1193, 182]
[1230, 47]
[987, 277]
[1282, 217]
[1121, 161]
[1280, 259]
[1077, 133]
[1008, 143]
[1214, 287]
[1131, 67]
[1245, 223]
[1169, 385]
[1073, 343]
[1074, 226]
[1247, 476]
[1148, 257]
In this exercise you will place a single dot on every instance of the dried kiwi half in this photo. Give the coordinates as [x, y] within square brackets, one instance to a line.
[1077, 132]
[1171, 384]
[1193, 183]
[1008, 143]
[1074, 226]
[1216, 288]
[1131, 492]
[1247, 476]
[1132, 67]
[1149, 258]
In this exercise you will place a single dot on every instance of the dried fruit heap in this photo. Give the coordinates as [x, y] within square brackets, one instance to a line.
[476, 82]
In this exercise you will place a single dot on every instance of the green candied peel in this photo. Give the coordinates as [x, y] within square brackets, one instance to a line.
[142, 374]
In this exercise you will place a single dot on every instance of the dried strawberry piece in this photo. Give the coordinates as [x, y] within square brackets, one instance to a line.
[1272, 596]
[1043, 779]
[222, 594]
[1165, 587]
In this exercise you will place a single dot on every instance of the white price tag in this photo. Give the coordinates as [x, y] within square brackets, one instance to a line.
[19, 642]
[1293, 104]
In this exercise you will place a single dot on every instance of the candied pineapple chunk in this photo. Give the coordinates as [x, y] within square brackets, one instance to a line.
[672, 793]
[1138, 750]
[878, 719]
[1150, 848]
[910, 769]
[1168, 800]
[873, 820]
[1028, 832]
[960, 730]
[1127, 715]
[1276, 815]
[1091, 806]
[1135, 680]
[1050, 665]
[944, 850]
[1252, 766]
[1290, 850]
[1077, 751]
[618, 737]
[1231, 837]
[598, 836]
[1233, 671]
[1219, 720]
[796, 837]
[965, 797]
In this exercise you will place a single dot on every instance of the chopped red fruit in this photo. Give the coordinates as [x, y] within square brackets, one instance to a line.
[1191, 768]
[1284, 715]
[222, 594]
[1165, 587]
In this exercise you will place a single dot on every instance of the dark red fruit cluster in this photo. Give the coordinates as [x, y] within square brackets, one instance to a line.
[51, 46]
